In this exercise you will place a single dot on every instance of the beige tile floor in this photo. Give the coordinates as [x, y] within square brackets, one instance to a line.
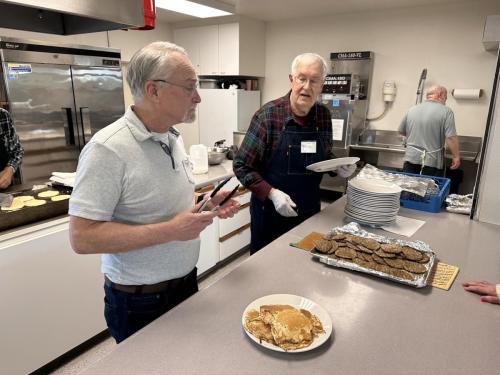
[100, 350]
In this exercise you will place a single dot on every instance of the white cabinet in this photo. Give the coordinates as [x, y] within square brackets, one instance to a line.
[52, 298]
[235, 232]
[225, 237]
[209, 247]
[234, 243]
[208, 37]
[222, 112]
[229, 48]
[233, 49]
[239, 220]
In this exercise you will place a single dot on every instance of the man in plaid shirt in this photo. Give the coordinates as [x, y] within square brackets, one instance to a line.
[285, 136]
[11, 152]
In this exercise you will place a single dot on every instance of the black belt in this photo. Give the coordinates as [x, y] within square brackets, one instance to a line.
[153, 288]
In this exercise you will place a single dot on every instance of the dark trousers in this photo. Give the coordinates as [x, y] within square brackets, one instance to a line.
[266, 224]
[126, 313]
[428, 171]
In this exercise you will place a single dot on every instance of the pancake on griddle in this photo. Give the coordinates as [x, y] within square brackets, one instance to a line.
[35, 202]
[61, 197]
[48, 194]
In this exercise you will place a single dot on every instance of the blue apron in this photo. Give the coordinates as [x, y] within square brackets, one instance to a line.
[286, 170]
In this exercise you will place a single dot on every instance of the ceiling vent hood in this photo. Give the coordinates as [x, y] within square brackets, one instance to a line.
[66, 17]
[491, 34]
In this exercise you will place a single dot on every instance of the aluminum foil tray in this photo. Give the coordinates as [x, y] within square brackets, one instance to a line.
[419, 281]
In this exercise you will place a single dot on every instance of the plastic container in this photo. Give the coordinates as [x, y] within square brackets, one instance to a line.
[430, 202]
[199, 158]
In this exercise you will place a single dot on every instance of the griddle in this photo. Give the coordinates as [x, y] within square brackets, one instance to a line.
[28, 215]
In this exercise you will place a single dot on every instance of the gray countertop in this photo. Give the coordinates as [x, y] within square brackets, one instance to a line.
[380, 327]
[215, 173]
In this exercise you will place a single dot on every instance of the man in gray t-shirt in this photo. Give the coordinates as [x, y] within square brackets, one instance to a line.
[133, 198]
[428, 127]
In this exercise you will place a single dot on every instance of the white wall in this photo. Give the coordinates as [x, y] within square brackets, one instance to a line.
[445, 39]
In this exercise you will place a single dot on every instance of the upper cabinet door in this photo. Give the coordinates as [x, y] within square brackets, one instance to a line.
[188, 38]
[229, 49]
[209, 49]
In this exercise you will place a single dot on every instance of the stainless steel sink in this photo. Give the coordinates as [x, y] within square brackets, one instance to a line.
[380, 140]
[392, 141]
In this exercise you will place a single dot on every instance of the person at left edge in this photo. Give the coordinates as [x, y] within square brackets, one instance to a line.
[11, 151]
[285, 136]
[134, 194]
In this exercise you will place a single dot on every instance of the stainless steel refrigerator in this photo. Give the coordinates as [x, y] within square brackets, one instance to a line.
[58, 97]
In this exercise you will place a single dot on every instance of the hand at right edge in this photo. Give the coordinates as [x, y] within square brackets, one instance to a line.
[487, 290]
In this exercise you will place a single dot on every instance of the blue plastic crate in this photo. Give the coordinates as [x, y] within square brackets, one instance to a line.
[430, 202]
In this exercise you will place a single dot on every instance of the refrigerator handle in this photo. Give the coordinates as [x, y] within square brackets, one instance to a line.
[85, 124]
[69, 129]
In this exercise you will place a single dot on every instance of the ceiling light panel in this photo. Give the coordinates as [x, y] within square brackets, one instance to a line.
[193, 9]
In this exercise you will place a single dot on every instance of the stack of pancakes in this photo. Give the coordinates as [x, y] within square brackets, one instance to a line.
[283, 325]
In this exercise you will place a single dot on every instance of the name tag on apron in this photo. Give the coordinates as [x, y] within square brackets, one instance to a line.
[308, 147]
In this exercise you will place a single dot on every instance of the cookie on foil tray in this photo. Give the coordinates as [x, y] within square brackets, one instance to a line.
[394, 259]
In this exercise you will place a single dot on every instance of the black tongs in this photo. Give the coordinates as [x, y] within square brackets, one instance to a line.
[212, 194]
[226, 198]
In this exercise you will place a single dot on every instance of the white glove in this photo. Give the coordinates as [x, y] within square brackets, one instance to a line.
[345, 171]
[282, 203]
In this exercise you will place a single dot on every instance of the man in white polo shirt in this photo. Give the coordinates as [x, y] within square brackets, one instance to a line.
[133, 195]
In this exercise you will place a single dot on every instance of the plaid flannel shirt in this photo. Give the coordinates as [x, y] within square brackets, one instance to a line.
[262, 139]
[10, 140]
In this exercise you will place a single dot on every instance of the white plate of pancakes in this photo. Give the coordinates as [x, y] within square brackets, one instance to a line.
[312, 322]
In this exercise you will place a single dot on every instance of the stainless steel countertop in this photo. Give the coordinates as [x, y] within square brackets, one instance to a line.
[464, 155]
[392, 141]
[380, 327]
[379, 147]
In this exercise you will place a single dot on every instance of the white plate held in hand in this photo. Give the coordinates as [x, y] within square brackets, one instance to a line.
[332, 164]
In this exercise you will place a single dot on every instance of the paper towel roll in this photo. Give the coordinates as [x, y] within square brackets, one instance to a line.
[466, 93]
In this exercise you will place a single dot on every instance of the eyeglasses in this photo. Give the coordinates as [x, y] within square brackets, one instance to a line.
[189, 89]
[302, 81]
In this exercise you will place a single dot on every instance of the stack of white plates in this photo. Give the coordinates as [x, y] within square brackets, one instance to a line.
[372, 202]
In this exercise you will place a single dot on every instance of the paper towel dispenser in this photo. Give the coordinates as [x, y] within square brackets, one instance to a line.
[491, 34]
[67, 17]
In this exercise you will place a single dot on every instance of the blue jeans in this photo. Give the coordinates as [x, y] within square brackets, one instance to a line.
[126, 313]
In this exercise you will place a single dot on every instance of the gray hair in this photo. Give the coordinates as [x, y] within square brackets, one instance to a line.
[310, 57]
[156, 60]
[436, 92]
